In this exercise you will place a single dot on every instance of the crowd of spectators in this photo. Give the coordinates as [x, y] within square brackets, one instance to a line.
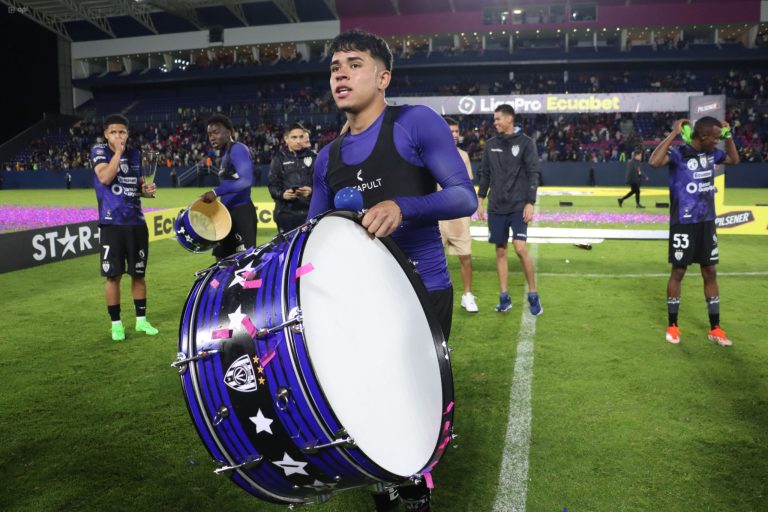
[577, 137]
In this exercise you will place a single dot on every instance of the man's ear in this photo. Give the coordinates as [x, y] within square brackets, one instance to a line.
[384, 78]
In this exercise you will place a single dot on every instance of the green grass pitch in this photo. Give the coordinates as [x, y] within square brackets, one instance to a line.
[621, 420]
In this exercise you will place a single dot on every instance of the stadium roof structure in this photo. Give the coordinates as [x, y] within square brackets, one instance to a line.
[87, 20]
[84, 20]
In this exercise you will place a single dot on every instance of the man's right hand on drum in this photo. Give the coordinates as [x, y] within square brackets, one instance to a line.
[383, 218]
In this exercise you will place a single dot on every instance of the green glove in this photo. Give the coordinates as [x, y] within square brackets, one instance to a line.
[725, 133]
[686, 133]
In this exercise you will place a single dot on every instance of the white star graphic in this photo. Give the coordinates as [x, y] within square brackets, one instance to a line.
[181, 230]
[189, 238]
[291, 466]
[68, 241]
[262, 422]
[236, 280]
[239, 274]
[236, 318]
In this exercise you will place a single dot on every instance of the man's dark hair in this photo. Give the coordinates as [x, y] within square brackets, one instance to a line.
[705, 125]
[294, 126]
[115, 119]
[359, 40]
[505, 109]
[451, 121]
[222, 120]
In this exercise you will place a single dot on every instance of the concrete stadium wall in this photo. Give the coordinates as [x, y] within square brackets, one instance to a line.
[562, 174]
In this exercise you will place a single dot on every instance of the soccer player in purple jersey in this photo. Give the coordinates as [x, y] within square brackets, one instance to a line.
[692, 234]
[236, 179]
[395, 156]
[123, 233]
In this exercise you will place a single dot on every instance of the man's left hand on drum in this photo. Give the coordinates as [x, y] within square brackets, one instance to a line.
[208, 197]
[383, 218]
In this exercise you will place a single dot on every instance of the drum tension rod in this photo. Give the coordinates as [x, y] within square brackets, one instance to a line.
[247, 464]
[182, 361]
[345, 442]
[293, 321]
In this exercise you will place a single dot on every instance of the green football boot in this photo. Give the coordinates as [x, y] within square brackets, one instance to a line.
[118, 332]
[145, 327]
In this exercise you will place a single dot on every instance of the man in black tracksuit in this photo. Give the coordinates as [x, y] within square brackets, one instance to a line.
[290, 180]
[510, 169]
[634, 178]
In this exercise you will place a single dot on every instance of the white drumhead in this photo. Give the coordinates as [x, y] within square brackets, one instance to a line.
[371, 346]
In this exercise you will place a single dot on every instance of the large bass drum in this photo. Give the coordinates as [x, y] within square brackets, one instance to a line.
[314, 363]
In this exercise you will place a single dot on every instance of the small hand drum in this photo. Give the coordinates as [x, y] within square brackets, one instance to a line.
[202, 226]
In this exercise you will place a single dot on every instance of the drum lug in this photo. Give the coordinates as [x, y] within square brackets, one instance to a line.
[283, 398]
[221, 413]
[182, 360]
[247, 464]
[343, 442]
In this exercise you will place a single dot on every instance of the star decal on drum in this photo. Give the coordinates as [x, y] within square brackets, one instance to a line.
[236, 318]
[317, 484]
[240, 274]
[262, 422]
[262, 380]
[291, 466]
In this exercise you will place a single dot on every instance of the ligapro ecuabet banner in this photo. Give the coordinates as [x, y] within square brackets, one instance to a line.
[554, 103]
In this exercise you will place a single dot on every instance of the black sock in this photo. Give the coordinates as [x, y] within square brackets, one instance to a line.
[114, 312]
[673, 306]
[141, 306]
[713, 306]
[416, 497]
[386, 500]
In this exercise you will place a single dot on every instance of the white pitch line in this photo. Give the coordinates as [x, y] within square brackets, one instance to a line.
[624, 276]
[512, 490]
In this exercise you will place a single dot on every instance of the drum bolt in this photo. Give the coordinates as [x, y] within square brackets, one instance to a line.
[221, 413]
[282, 398]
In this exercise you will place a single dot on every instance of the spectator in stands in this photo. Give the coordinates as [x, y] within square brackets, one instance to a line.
[634, 178]
[400, 153]
[236, 179]
[510, 170]
[290, 179]
[124, 236]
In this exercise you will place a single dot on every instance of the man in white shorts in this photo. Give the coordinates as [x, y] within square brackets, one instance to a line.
[455, 234]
